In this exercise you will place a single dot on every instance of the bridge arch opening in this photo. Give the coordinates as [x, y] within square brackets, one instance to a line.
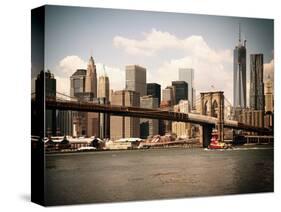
[215, 109]
[205, 108]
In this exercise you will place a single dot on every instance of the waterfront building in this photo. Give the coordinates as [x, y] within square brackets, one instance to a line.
[154, 89]
[239, 74]
[136, 79]
[187, 75]
[120, 126]
[256, 82]
[181, 90]
[148, 127]
[182, 129]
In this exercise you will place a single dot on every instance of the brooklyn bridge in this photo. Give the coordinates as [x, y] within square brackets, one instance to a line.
[211, 115]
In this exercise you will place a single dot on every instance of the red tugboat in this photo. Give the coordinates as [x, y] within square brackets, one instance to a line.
[215, 144]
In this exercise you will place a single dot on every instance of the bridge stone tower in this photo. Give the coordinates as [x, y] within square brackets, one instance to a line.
[212, 104]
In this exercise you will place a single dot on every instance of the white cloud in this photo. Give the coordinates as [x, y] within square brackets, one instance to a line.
[154, 41]
[212, 67]
[69, 64]
[157, 40]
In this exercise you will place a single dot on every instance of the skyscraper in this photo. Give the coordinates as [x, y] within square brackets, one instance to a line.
[154, 90]
[57, 122]
[103, 98]
[256, 82]
[83, 86]
[120, 126]
[182, 129]
[103, 87]
[77, 82]
[136, 79]
[181, 90]
[239, 74]
[77, 89]
[187, 75]
[148, 127]
[64, 122]
[268, 95]
[165, 126]
[47, 91]
[91, 78]
[168, 95]
[103, 119]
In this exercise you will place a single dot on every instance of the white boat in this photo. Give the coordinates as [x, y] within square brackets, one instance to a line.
[86, 148]
[79, 139]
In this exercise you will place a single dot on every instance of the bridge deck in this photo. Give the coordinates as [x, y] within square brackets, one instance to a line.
[118, 110]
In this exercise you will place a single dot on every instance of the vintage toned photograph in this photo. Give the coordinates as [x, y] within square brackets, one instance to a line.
[131, 105]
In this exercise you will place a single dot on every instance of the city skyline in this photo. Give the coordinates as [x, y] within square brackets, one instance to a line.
[100, 129]
[184, 41]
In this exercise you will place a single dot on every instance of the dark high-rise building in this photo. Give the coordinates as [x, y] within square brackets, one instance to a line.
[77, 82]
[256, 82]
[154, 90]
[187, 75]
[165, 126]
[50, 87]
[148, 127]
[77, 89]
[181, 90]
[56, 122]
[104, 119]
[239, 74]
[64, 123]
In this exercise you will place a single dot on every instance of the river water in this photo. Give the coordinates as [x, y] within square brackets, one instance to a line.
[112, 176]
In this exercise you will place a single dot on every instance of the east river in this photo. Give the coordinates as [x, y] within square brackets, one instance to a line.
[111, 176]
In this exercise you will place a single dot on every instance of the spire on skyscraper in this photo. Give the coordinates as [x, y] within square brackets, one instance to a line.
[91, 77]
[104, 72]
[239, 32]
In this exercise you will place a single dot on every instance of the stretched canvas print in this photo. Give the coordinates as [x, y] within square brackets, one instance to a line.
[138, 105]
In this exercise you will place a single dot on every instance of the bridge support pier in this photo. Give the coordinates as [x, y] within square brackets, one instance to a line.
[212, 104]
[220, 116]
[206, 134]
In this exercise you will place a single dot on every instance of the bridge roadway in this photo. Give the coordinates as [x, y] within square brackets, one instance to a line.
[147, 113]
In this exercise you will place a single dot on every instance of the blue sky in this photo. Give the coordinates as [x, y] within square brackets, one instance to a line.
[160, 42]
